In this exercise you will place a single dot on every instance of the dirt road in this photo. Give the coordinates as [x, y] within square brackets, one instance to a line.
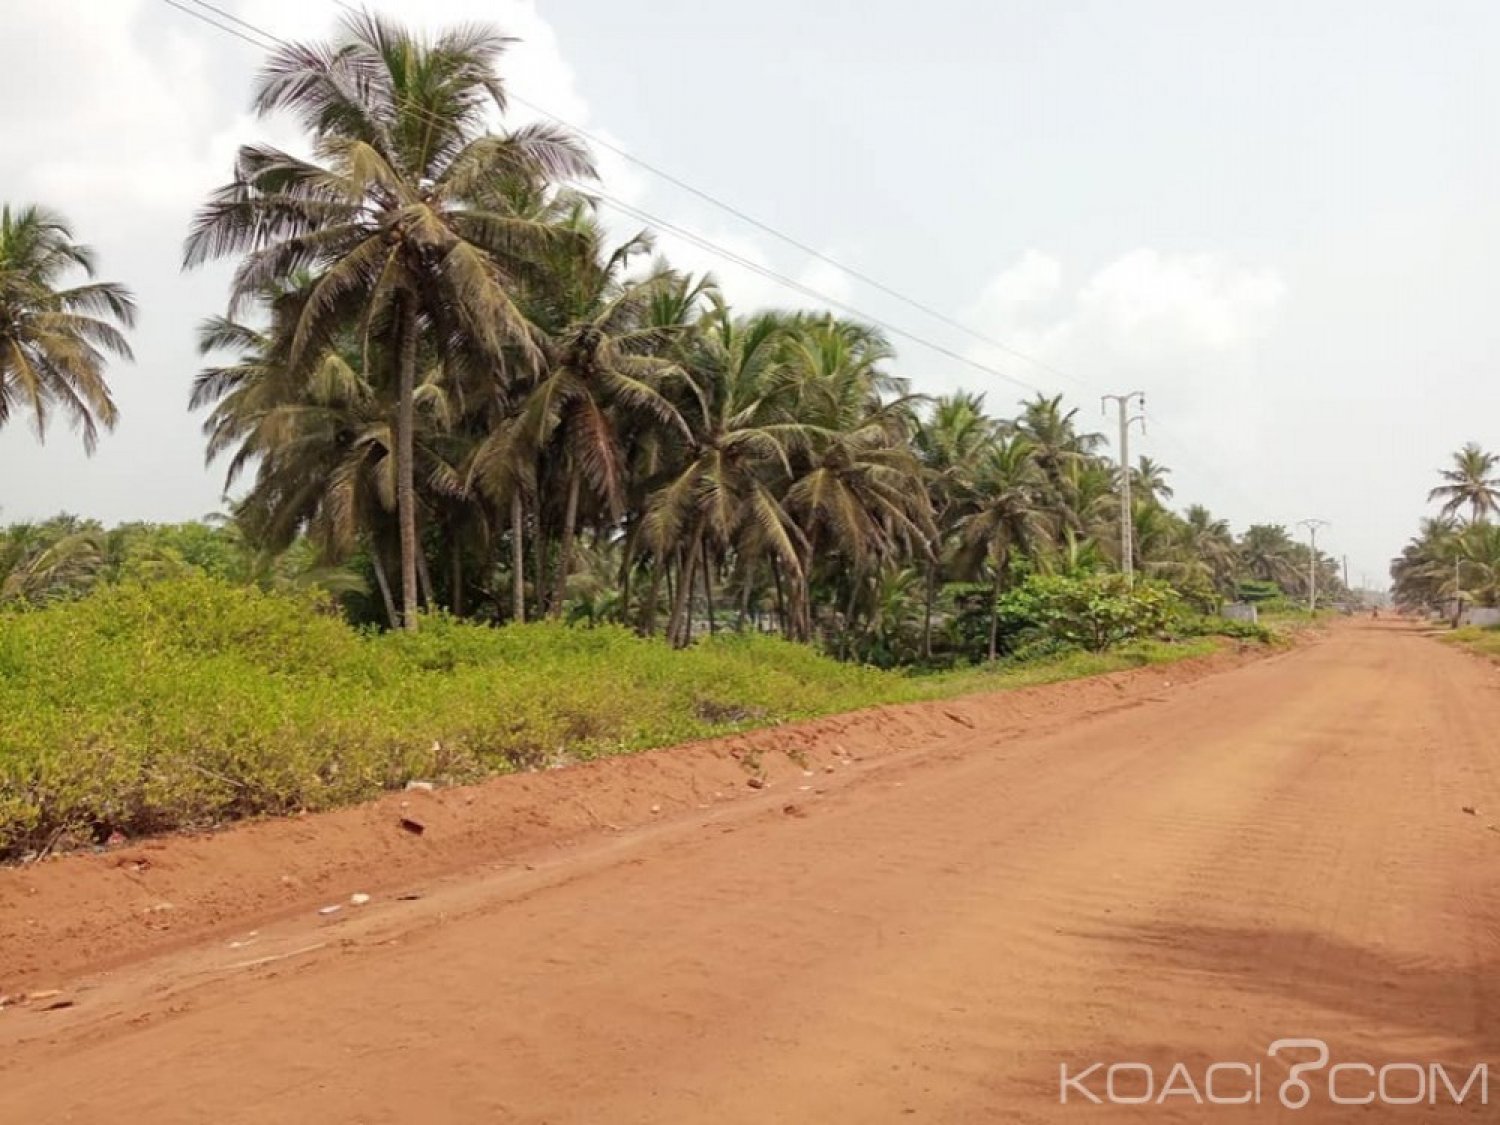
[1276, 851]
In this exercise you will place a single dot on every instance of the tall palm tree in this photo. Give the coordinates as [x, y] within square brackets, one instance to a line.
[725, 489]
[396, 214]
[852, 495]
[601, 383]
[1210, 541]
[1058, 447]
[56, 338]
[1007, 516]
[1471, 482]
[950, 441]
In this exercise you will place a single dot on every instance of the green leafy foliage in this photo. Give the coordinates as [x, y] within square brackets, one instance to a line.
[1092, 613]
[190, 702]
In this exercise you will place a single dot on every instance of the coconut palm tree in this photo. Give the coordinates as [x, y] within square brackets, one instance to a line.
[396, 214]
[1423, 573]
[1268, 553]
[55, 337]
[725, 488]
[1148, 480]
[950, 441]
[601, 385]
[1479, 550]
[1007, 515]
[321, 444]
[852, 496]
[1471, 482]
[1212, 543]
[61, 558]
[1058, 447]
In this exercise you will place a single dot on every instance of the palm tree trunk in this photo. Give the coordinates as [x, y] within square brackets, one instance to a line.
[780, 595]
[680, 628]
[517, 557]
[995, 611]
[565, 553]
[627, 565]
[385, 587]
[802, 607]
[648, 611]
[708, 590]
[540, 547]
[744, 611]
[406, 490]
[455, 578]
[425, 576]
[927, 609]
[849, 608]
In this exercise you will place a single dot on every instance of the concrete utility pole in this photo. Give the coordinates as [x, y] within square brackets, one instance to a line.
[1127, 549]
[1312, 560]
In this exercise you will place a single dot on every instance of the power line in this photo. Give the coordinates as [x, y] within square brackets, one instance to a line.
[222, 27]
[806, 290]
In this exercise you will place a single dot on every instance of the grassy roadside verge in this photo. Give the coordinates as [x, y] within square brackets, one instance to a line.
[1483, 640]
[190, 703]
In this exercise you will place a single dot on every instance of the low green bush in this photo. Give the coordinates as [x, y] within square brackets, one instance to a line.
[189, 702]
[1092, 613]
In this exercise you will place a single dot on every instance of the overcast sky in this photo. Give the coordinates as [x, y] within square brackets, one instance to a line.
[1277, 219]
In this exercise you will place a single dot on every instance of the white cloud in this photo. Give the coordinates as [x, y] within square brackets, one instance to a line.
[1171, 320]
[828, 280]
[1152, 305]
[1019, 293]
[1185, 329]
[130, 105]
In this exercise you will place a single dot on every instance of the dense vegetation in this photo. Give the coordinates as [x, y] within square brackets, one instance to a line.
[191, 701]
[447, 398]
[442, 375]
[1454, 560]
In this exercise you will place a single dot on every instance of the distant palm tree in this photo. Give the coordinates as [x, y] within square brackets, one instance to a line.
[55, 339]
[1212, 543]
[42, 562]
[1149, 480]
[1006, 518]
[853, 495]
[1059, 449]
[724, 490]
[1424, 573]
[951, 442]
[600, 386]
[1268, 553]
[1471, 482]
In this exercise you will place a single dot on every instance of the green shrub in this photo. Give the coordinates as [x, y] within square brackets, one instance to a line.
[1092, 613]
[189, 702]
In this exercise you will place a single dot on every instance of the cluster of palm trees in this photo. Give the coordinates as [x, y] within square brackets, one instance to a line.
[436, 362]
[1455, 557]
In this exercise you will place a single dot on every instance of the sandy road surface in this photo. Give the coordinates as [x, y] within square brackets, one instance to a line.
[1275, 851]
